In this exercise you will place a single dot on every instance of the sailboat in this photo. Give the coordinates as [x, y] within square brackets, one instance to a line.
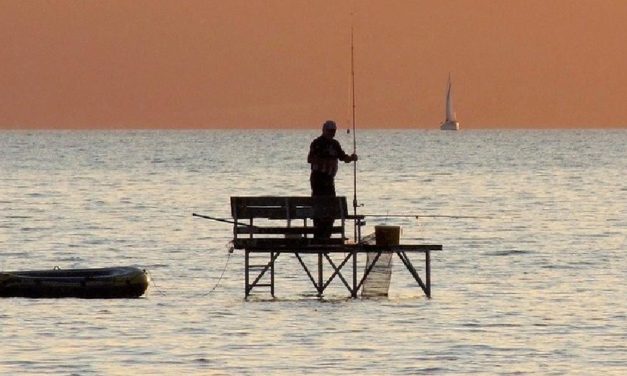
[450, 123]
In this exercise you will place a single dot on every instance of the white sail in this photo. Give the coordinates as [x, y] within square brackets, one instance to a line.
[450, 123]
[450, 113]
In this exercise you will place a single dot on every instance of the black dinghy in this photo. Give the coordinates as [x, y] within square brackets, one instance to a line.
[100, 283]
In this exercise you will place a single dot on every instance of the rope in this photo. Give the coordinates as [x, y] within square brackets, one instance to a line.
[154, 283]
[230, 249]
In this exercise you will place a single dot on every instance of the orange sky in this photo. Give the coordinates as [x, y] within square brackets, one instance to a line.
[286, 63]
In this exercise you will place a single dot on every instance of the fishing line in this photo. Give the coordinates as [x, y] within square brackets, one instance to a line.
[418, 216]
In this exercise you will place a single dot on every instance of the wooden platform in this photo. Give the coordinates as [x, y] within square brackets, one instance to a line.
[267, 225]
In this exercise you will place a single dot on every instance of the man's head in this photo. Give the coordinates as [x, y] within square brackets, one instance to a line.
[329, 128]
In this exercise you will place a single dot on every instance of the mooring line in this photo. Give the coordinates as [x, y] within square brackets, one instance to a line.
[226, 264]
[154, 283]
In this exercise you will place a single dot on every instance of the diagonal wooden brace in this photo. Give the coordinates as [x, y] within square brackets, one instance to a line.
[425, 287]
[269, 265]
[337, 271]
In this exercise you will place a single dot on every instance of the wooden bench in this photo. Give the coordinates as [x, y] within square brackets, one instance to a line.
[265, 222]
[284, 224]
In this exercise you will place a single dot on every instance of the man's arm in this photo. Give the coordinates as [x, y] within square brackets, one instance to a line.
[350, 158]
[345, 157]
[312, 157]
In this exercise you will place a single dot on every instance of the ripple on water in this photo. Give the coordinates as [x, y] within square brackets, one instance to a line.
[522, 292]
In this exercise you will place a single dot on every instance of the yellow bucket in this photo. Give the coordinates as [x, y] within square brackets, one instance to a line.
[387, 235]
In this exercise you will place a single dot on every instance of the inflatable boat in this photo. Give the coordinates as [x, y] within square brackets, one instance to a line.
[102, 283]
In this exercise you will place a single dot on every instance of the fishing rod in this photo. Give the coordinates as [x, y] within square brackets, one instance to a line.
[221, 220]
[425, 216]
[353, 120]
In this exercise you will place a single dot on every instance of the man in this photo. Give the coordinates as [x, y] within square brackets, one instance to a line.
[324, 154]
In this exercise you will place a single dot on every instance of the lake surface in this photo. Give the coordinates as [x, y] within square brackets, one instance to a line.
[535, 286]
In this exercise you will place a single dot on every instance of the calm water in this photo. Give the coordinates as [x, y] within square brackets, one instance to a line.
[537, 287]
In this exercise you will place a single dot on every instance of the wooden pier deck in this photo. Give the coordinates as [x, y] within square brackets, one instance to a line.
[275, 225]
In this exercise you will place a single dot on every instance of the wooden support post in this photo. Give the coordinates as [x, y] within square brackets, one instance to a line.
[428, 272]
[246, 277]
[272, 273]
[320, 276]
[354, 295]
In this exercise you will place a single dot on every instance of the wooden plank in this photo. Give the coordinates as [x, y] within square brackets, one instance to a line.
[259, 200]
[331, 246]
[269, 212]
[292, 207]
[295, 230]
[247, 207]
[269, 244]
[401, 247]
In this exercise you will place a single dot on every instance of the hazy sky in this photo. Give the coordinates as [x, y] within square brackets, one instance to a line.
[286, 63]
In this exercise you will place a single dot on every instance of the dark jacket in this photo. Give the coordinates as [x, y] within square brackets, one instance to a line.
[324, 154]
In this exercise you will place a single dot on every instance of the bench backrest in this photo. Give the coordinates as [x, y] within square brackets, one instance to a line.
[288, 207]
[269, 211]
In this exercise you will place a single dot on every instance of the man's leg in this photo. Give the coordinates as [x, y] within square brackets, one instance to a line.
[322, 185]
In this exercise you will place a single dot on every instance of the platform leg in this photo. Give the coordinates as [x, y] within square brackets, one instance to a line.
[320, 275]
[354, 294]
[272, 258]
[428, 272]
[246, 271]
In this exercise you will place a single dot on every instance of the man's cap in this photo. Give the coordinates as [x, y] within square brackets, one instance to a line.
[329, 125]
